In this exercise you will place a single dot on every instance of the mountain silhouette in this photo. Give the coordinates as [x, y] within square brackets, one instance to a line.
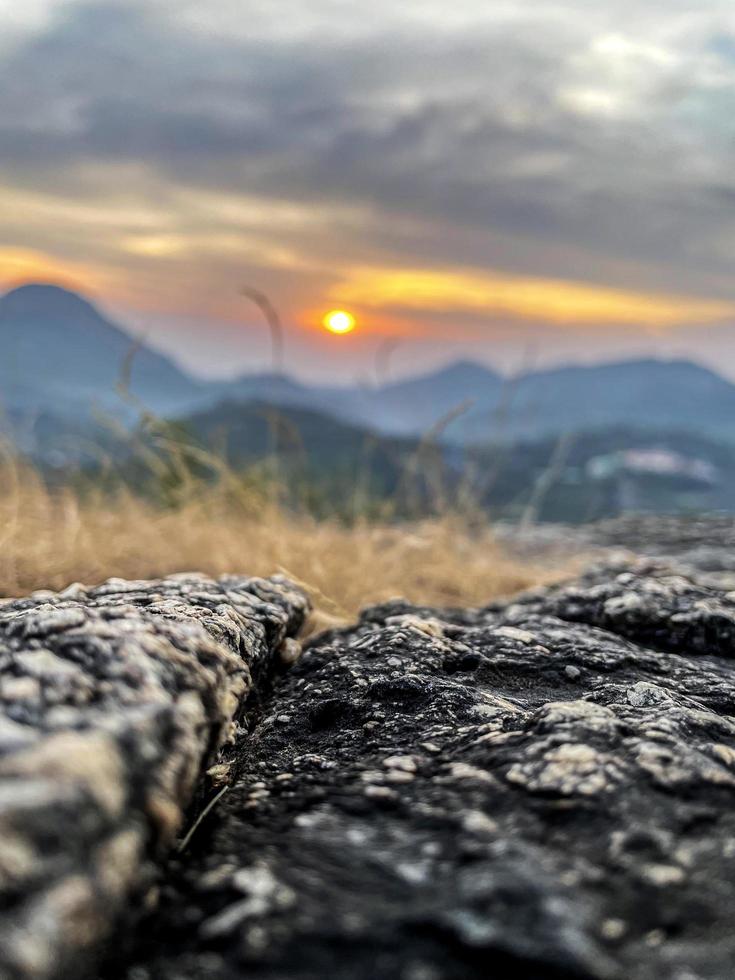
[61, 355]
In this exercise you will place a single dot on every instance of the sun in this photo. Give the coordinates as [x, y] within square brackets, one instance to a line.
[339, 321]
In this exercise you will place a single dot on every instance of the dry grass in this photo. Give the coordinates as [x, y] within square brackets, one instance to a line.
[49, 538]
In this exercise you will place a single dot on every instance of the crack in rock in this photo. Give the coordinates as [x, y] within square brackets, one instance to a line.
[538, 790]
[112, 701]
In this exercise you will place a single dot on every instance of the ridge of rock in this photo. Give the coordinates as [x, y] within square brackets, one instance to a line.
[538, 790]
[112, 702]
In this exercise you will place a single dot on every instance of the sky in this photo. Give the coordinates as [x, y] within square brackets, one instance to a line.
[521, 183]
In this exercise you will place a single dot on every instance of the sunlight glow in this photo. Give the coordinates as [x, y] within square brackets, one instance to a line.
[339, 322]
[545, 300]
[18, 265]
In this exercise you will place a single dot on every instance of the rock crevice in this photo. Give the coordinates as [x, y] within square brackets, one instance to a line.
[112, 701]
[543, 789]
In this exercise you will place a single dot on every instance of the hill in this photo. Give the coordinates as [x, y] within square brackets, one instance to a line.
[652, 395]
[594, 474]
[330, 466]
[649, 394]
[62, 356]
[59, 353]
[605, 472]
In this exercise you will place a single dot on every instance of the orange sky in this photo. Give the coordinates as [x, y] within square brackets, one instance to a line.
[471, 181]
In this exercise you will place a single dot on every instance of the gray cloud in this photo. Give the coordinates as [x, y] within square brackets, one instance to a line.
[544, 122]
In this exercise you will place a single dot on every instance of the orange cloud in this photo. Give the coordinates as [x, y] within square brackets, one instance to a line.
[24, 265]
[500, 294]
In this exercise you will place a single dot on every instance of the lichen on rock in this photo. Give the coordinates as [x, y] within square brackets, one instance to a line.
[112, 701]
[540, 789]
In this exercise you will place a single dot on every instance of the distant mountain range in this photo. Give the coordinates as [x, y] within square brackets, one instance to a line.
[334, 468]
[58, 353]
[60, 356]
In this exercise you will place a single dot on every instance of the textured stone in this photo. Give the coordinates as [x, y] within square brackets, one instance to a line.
[112, 701]
[538, 790]
[704, 543]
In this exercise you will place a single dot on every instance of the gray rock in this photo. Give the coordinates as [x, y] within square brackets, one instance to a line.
[539, 790]
[705, 543]
[112, 701]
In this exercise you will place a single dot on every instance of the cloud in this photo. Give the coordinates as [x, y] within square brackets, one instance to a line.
[24, 264]
[558, 141]
[537, 300]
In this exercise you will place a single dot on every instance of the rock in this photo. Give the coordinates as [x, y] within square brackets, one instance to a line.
[113, 701]
[704, 543]
[538, 790]
[664, 606]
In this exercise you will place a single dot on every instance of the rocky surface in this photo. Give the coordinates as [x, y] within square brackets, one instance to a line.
[705, 543]
[112, 702]
[540, 790]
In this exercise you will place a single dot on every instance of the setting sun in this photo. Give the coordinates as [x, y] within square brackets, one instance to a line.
[339, 321]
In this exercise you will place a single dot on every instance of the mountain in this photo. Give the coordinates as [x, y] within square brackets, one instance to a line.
[649, 394]
[246, 433]
[605, 472]
[416, 405]
[60, 354]
[408, 407]
[323, 465]
[331, 467]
